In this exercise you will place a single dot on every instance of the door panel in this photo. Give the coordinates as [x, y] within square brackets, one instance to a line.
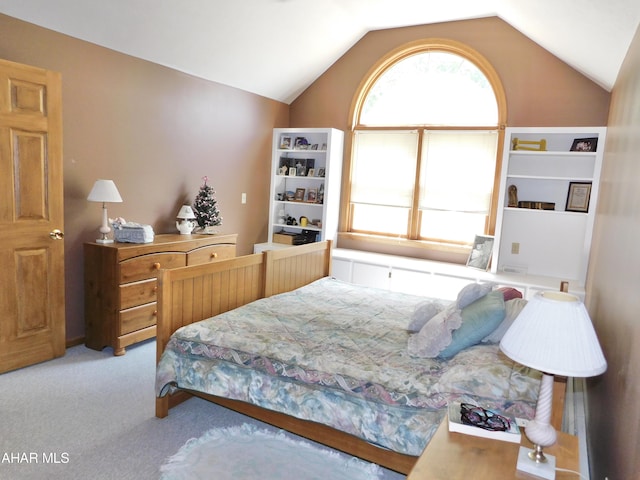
[32, 321]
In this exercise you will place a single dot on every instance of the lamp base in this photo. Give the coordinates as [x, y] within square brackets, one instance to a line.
[527, 463]
[104, 240]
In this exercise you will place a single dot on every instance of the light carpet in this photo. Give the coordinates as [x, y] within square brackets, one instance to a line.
[246, 453]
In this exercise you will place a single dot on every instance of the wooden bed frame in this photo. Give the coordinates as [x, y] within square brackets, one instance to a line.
[190, 294]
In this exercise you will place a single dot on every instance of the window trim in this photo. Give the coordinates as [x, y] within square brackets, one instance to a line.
[363, 90]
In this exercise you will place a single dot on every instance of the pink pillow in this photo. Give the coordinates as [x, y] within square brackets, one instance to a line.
[509, 293]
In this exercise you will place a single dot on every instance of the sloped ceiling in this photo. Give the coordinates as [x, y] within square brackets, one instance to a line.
[277, 48]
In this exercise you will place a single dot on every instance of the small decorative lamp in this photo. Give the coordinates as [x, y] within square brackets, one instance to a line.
[104, 191]
[186, 214]
[553, 334]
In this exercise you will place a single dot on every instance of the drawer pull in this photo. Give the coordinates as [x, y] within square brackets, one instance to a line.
[155, 313]
[155, 289]
[214, 255]
[156, 265]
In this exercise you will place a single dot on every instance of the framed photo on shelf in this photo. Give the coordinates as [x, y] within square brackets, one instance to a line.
[481, 251]
[578, 197]
[585, 145]
[293, 171]
[321, 172]
[312, 195]
[285, 142]
[299, 196]
[311, 172]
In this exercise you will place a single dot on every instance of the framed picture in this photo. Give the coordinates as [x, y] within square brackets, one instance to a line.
[292, 171]
[311, 172]
[321, 172]
[578, 197]
[312, 195]
[585, 145]
[299, 197]
[285, 142]
[480, 256]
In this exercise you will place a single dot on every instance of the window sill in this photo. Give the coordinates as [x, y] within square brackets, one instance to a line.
[422, 249]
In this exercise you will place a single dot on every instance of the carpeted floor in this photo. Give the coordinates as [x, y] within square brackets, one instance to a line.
[91, 415]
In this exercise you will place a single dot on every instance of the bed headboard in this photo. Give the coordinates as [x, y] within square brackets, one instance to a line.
[190, 294]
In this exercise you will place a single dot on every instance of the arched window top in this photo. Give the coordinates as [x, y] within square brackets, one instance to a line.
[431, 83]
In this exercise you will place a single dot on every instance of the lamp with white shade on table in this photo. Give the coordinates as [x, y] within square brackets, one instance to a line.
[554, 335]
[104, 191]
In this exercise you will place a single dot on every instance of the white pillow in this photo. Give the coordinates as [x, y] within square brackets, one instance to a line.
[424, 312]
[472, 292]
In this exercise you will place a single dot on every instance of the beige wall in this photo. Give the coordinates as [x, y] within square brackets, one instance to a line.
[614, 283]
[154, 131]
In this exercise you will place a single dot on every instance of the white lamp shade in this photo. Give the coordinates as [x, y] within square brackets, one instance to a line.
[186, 212]
[104, 191]
[554, 334]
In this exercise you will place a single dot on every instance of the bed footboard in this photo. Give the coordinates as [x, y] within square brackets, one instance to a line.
[190, 294]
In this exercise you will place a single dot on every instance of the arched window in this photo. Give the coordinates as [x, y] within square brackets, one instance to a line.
[426, 134]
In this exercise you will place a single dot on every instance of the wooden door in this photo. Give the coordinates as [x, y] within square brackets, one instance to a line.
[32, 320]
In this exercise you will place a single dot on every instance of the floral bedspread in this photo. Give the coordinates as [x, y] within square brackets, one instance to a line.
[336, 353]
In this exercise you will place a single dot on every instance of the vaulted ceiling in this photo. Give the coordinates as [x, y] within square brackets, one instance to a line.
[277, 48]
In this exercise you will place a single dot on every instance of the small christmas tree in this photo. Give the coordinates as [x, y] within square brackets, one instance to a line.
[206, 206]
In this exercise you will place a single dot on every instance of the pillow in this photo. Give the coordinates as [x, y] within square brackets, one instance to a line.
[478, 320]
[436, 333]
[512, 309]
[424, 312]
[471, 293]
[510, 293]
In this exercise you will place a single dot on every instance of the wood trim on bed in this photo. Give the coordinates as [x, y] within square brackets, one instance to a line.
[190, 294]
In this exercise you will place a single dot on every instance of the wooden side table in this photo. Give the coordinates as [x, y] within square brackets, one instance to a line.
[456, 456]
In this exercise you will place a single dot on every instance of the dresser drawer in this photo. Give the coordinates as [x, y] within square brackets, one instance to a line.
[138, 293]
[211, 253]
[136, 318]
[147, 266]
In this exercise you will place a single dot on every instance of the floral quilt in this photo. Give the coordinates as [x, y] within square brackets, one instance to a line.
[336, 353]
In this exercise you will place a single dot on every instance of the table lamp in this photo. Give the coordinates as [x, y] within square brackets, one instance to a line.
[553, 334]
[104, 191]
[186, 214]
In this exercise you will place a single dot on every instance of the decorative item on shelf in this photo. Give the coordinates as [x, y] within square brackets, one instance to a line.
[301, 143]
[533, 145]
[513, 196]
[536, 205]
[104, 191]
[552, 334]
[481, 251]
[299, 196]
[304, 221]
[312, 195]
[285, 142]
[578, 197]
[206, 210]
[585, 144]
[186, 226]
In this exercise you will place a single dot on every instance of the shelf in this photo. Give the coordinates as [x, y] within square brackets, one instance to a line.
[541, 211]
[306, 204]
[556, 153]
[295, 227]
[542, 177]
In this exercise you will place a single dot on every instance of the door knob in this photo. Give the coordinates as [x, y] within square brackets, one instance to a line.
[56, 234]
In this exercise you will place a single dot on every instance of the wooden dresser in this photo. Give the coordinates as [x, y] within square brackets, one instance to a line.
[120, 283]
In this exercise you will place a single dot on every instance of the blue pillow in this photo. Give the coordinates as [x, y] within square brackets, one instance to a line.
[479, 319]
